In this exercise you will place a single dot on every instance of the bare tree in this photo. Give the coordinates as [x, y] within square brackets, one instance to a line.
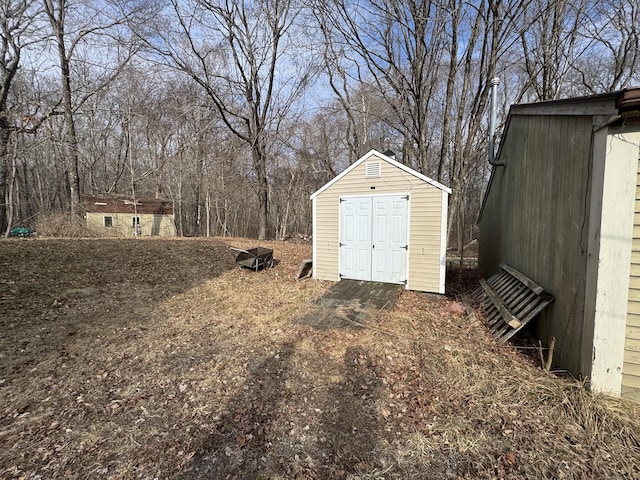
[612, 30]
[56, 12]
[551, 46]
[397, 46]
[480, 37]
[342, 86]
[244, 57]
[70, 35]
[16, 26]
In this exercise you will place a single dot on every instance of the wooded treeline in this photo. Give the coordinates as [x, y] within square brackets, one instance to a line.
[238, 110]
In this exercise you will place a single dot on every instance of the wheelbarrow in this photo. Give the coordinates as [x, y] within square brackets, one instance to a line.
[254, 258]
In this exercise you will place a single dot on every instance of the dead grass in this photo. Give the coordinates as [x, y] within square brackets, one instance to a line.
[59, 225]
[163, 359]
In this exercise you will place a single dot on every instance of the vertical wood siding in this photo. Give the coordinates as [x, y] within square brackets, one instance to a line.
[536, 219]
[425, 207]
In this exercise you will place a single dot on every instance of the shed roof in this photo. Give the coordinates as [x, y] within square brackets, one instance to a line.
[610, 103]
[381, 156]
[125, 204]
[610, 107]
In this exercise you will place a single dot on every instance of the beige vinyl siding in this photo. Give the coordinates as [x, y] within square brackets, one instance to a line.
[122, 224]
[425, 238]
[425, 210]
[631, 367]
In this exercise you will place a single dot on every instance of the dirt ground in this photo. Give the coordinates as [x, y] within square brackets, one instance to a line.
[162, 359]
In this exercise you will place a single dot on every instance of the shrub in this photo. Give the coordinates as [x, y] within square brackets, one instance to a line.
[62, 225]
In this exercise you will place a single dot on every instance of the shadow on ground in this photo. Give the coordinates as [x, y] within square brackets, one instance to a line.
[76, 359]
[238, 446]
[350, 427]
[269, 421]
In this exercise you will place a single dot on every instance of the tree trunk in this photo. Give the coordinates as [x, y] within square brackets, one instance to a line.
[5, 135]
[56, 14]
[10, 194]
[451, 80]
[208, 210]
[285, 218]
[260, 167]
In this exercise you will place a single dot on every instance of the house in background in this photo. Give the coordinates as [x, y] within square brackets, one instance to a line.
[120, 216]
[381, 221]
[563, 207]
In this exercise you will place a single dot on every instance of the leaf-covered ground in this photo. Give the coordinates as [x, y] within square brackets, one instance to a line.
[157, 359]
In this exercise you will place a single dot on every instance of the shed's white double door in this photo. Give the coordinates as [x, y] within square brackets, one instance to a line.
[373, 238]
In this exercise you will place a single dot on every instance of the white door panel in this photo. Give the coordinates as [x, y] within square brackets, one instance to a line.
[373, 238]
[389, 245]
[355, 238]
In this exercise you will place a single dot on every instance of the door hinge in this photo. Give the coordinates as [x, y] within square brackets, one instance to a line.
[406, 197]
[342, 200]
[341, 244]
[404, 282]
[406, 247]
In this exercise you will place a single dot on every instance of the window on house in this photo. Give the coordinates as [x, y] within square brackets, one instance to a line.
[108, 221]
[135, 221]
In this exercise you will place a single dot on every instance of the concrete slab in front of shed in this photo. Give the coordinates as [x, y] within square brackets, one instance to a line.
[350, 303]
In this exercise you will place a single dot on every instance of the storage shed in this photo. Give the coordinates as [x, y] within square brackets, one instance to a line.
[381, 221]
[123, 216]
[563, 207]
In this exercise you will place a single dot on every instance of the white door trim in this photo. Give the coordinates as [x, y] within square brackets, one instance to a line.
[443, 242]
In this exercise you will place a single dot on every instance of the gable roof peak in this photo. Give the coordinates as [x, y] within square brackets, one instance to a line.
[381, 156]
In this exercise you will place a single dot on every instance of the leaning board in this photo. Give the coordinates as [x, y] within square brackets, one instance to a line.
[509, 300]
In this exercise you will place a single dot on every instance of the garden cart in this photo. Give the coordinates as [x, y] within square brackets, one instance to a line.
[254, 258]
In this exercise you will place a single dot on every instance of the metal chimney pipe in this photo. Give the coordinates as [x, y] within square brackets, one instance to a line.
[492, 121]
